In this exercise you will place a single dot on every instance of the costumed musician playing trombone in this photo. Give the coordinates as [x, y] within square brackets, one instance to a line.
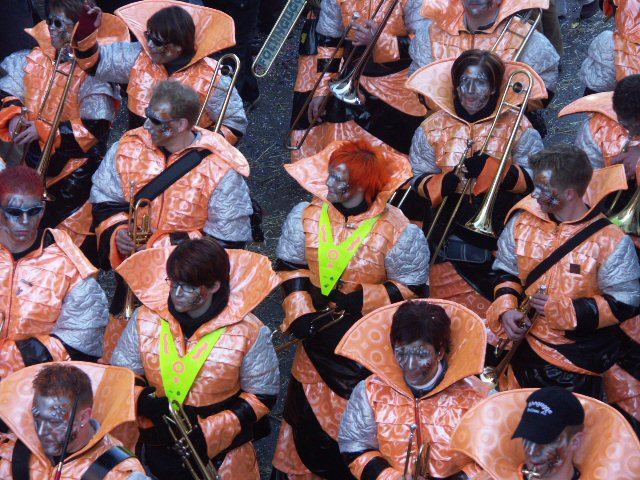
[31, 92]
[340, 256]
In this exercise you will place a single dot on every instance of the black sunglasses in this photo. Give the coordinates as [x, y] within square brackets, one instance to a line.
[57, 22]
[158, 42]
[148, 113]
[17, 212]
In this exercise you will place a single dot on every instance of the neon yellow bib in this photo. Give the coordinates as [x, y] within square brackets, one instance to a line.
[178, 373]
[333, 258]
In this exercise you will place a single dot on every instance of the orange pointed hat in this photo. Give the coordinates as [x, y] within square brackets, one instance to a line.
[367, 342]
[610, 449]
[597, 103]
[215, 30]
[113, 402]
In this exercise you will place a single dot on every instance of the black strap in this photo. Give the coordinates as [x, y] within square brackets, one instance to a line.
[106, 462]
[568, 246]
[172, 174]
[20, 461]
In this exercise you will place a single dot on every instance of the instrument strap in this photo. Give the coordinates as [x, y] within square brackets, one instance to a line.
[178, 373]
[172, 174]
[20, 461]
[106, 462]
[562, 251]
[334, 259]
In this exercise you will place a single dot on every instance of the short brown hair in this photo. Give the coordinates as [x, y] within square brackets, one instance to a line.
[183, 101]
[200, 263]
[570, 167]
[60, 379]
[174, 25]
[71, 8]
[420, 320]
[489, 62]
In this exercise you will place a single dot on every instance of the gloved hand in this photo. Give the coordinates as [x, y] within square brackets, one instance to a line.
[89, 21]
[475, 164]
[449, 184]
[305, 326]
[350, 302]
[197, 440]
[151, 406]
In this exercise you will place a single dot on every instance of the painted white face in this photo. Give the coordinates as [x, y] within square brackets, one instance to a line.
[418, 361]
[339, 189]
[548, 197]
[549, 458]
[474, 90]
[21, 216]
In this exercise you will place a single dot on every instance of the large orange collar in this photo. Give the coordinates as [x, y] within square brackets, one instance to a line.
[111, 30]
[604, 181]
[251, 279]
[610, 449]
[449, 14]
[597, 103]
[215, 30]
[367, 342]
[312, 172]
[434, 82]
[113, 402]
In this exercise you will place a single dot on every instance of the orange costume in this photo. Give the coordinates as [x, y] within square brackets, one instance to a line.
[22, 456]
[51, 306]
[592, 290]
[127, 62]
[438, 145]
[446, 36]
[80, 141]
[390, 265]
[375, 428]
[390, 111]
[212, 197]
[614, 55]
[608, 449]
[238, 382]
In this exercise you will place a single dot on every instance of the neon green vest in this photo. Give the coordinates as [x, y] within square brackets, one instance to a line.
[178, 373]
[334, 259]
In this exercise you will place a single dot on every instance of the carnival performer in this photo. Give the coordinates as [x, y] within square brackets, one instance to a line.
[579, 271]
[30, 93]
[59, 424]
[51, 306]
[174, 42]
[345, 251]
[423, 355]
[390, 111]
[466, 92]
[192, 177]
[547, 434]
[196, 342]
[615, 54]
[461, 25]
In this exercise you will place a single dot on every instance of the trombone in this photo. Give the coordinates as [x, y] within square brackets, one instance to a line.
[179, 428]
[628, 219]
[526, 18]
[222, 70]
[422, 461]
[324, 313]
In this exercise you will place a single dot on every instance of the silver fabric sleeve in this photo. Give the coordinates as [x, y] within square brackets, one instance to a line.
[408, 261]
[230, 209]
[358, 429]
[541, 55]
[619, 274]
[291, 245]
[530, 143]
[330, 20]
[83, 318]
[107, 186]
[97, 99]
[420, 46]
[235, 117]
[13, 82]
[585, 142]
[116, 61]
[506, 259]
[259, 373]
[412, 17]
[127, 352]
[422, 155]
[598, 71]
[135, 476]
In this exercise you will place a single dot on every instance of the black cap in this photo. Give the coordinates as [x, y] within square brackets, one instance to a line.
[548, 412]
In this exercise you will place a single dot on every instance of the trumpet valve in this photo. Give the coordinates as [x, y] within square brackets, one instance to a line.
[488, 376]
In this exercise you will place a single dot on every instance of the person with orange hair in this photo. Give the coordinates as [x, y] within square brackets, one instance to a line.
[51, 305]
[340, 256]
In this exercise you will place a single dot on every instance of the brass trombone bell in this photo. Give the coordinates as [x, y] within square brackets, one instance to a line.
[222, 70]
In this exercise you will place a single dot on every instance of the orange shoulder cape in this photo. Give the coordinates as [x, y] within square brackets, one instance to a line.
[597, 103]
[368, 343]
[609, 450]
[628, 19]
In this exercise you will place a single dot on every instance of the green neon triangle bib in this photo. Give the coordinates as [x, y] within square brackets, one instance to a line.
[334, 259]
[178, 373]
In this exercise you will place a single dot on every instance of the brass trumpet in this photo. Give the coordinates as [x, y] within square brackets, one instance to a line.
[530, 474]
[179, 428]
[407, 457]
[222, 70]
[421, 469]
[296, 341]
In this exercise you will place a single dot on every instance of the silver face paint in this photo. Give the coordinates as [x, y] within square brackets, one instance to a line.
[474, 89]
[546, 459]
[338, 188]
[51, 417]
[418, 361]
[546, 196]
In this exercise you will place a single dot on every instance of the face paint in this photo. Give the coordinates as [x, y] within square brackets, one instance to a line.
[51, 418]
[418, 361]
[21, 216]
[474, 89]
[480, 7]
[160, 50]
[158, 124]
[546, 459]
[546, 196]
[338, 188]
[60, 29]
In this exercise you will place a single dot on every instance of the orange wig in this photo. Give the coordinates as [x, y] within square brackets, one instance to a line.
[366, 166]
[20, 180]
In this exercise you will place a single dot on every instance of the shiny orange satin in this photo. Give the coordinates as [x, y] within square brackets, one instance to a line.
[446, 284]
[609, 449]
[112, 406]
[626, 38]
[394, 405]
